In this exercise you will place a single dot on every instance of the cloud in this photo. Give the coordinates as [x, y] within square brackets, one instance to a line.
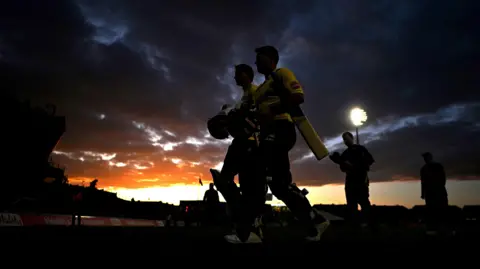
[463, 114]
[396, 144]
[138, 79]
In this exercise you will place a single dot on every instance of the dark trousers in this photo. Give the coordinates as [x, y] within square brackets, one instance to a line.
[276, 140]
[357, 193]
[212, 210]
[247, 201]
[436, 209]
[76, 215]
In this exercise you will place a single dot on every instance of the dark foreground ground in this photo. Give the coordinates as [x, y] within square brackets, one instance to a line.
[338, 240]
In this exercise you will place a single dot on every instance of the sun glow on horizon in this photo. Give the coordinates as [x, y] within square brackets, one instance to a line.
[383, 193]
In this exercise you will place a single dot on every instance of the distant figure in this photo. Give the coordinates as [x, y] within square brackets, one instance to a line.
[212, 203]
[211, 195]
[434, 191]
[77, 208]
[93, 184]
[355, 161]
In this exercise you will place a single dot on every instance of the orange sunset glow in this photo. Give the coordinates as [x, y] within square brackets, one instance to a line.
[175, 180]
[160, 165]
[137, 82]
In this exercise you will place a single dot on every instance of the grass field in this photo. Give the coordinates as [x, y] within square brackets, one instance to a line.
[278, 241]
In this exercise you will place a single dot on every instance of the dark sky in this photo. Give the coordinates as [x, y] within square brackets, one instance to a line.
[138, 79]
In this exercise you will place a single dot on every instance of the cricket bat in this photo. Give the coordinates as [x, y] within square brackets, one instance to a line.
[303, 125]
[309, 134]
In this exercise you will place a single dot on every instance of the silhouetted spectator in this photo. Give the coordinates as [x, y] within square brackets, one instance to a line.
[77, 209]
[93, 184]
[211, 195]
[434, 192]
[212, 202]
[355, 161]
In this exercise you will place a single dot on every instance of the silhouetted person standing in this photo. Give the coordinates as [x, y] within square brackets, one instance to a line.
[93, 184]
[77, 209]
[355, 161]
[434, 191]
[212, 203]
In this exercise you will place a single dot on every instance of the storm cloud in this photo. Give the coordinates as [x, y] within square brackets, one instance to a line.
[138, 79]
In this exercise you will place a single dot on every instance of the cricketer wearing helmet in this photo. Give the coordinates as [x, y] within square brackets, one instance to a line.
[279, 92]
[246, 202]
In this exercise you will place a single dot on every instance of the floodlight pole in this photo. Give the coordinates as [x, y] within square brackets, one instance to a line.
[358, 117]
[358, 139]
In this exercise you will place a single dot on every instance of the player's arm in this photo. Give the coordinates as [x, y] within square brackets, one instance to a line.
[247, 99]
[335, 157]
[294, 94]
[288, 89]
[345, 165]
[367, 158]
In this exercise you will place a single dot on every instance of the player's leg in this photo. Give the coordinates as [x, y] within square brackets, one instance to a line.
[364, 202]
[352, 205]
[253, 187]
[437, 207]
[255, 181]
[225, 180]
[252, 198]
[430, 215]
[274, 147]
[449, 223]
[251, 202]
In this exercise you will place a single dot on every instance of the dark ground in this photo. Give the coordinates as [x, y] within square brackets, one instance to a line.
[338, 240]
